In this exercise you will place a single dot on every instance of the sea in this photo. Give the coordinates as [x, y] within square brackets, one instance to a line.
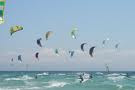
[69, 80]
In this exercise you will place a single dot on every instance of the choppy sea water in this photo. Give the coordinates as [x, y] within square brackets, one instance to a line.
[66, 81]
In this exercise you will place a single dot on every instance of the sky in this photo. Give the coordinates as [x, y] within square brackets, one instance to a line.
[96, 21]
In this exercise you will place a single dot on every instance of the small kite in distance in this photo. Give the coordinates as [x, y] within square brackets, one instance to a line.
[91, 51]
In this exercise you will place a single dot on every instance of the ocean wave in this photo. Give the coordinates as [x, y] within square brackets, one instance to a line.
[124, 74]
[116, 78]
[32, 88]
[99, 73]
[61, 74]
[79, 73]
[132, 77]
[119, 86]
[43, 74]
[113, 74]
[9, 89]
[53, 84]
[24, 77]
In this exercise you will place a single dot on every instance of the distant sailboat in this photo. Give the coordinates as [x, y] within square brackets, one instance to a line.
[107, 68]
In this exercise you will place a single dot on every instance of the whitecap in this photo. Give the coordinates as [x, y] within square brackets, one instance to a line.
[9, 89]
[61, 74]
[31, 88]
[132, 77]
[113, 74]
[56, 84]
[119, 86]
[24, 77]
[124, 74]
[99, 73]
[43, 74]
[116, 78]
[78, 73]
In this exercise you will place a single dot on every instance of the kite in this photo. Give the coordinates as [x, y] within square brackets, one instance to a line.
[39, 42]
[36, 55]
[104, 41]
[82, 46]
[73, 33]
[71, 53]
[12, 60]
[48, 34]
[2, 8]
[91, 51]
[56, 51]
[117, 45]
[20, 58]
[14, 29]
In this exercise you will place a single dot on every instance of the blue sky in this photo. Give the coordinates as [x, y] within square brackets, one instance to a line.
[96, 20]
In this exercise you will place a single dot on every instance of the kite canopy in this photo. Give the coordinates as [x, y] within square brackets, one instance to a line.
[36, 55]
[20, 58]
[2, 7]
[73, 32]
[71, 53]
[91, 51]
[104, 41]
[82, 46]
[14, 29]
[117, 45]
[12, 60]
[48, 34]
[39, 42]
[56, 51]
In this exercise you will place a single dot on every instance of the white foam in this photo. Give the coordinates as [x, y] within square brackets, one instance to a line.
[56, 84]
[9, 89]
[24, 77]
[119, 86]
[133, 77]
[33, 88]
[61, 74]
[124, 74]
[116, 78]
[113, 74]
[99, 73]
[43, 74]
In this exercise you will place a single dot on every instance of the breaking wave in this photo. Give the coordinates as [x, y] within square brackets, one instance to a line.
[56, 84]
[24, 77]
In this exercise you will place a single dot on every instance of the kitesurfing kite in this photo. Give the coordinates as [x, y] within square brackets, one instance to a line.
[82, 46]
[20, 58]
[36, 55]
[12, 60]
[56, 51]
[71, 53]
[117, 45]
[104, 41]
[39, 42]
[48, 34]
[2, 8]
[73, 32]
[91, 51]
[14, 29]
